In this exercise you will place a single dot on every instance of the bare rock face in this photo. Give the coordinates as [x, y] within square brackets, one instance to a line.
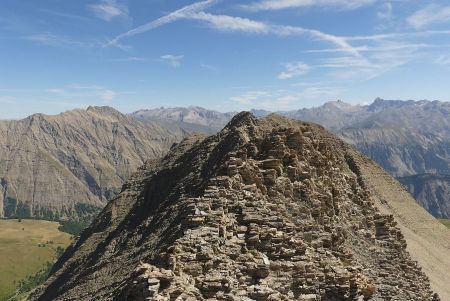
[432, 191]
[67, 166]
[268, 209]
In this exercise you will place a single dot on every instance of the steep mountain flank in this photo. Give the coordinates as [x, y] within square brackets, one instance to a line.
[405, 137]
[67, 166]
[269, 209]
[428, 241]
[333, 115]
[432, 191]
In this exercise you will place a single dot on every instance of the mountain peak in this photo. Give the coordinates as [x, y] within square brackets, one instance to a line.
[243, 118]
[103, 110]
[284, 213]
[340, 105]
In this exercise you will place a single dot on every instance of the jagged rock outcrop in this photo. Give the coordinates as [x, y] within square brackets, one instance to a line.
[269, 209]
[67, 166]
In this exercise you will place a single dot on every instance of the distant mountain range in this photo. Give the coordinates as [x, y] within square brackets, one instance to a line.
[67, 166]
[190, 119]
[407, 138]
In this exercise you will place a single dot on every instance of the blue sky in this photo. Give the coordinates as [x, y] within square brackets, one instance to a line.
[57, 55]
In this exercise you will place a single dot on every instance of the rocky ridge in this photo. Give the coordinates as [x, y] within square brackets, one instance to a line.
[268, 209]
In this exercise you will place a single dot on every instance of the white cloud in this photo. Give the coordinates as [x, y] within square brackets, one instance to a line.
[230, 23]
[443, 60]
[293, 70]
[251, 97]
[109, 9]
[173, 60]
[430, 14]
[365, 48]
[378, 63]
[285, 4]
[378, 37]
[172, 17]
[107, 95]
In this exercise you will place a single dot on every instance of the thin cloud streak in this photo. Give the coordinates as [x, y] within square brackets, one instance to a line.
[396, 35]
[170, 18]
[230, 23]
[287, 4]
[430, 14]
[50, 39]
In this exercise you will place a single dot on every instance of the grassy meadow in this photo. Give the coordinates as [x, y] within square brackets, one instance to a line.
[25, 248]
[446, 222]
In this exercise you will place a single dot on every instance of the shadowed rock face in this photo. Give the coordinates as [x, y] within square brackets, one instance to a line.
[270, 209]
[67, 166]
[432, 191]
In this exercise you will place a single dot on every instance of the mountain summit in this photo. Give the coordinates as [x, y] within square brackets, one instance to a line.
[270, 209]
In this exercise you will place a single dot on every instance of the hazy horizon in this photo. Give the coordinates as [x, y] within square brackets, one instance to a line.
[220, 111]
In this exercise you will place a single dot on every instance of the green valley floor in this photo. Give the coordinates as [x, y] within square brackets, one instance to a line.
[26, 248]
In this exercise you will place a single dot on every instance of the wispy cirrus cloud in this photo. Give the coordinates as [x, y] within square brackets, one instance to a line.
[245, 25]
[109, 9]
[293, 70]
[172, 60]
[443, 60]
[50, 39]
[430, 14]
[85, 91]
[286, 4]
[228, 23]
[167, 19]
[396, 35]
